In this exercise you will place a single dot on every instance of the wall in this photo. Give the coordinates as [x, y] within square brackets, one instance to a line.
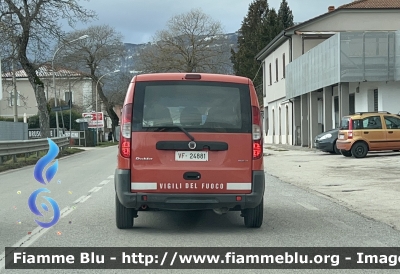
[357, 20]
[315, 69]
[397, 56]
[310, 43]
[277, 89]
[13, 131]
[80, 89]
[285, 123]
[389, 96]
[367, 56]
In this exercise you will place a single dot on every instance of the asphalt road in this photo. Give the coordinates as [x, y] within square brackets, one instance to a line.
[83, 188]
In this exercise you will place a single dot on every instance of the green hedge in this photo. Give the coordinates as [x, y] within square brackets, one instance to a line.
[33, 121]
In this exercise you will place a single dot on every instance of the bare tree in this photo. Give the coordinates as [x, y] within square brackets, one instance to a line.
[35, 24]
[116, 87]
[192, 42]
[96, 56]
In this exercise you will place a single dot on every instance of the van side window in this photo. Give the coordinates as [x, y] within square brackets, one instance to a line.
[392, 122]
[358, 124]
[372, 122]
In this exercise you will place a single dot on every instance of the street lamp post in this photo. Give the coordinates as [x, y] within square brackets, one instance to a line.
[97, 120]
[54, 77]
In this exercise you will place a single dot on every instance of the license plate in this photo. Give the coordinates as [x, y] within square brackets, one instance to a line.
[197, 156]
[341, 136]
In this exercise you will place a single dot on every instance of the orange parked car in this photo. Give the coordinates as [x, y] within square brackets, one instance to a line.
[190, 142]
[368, 131]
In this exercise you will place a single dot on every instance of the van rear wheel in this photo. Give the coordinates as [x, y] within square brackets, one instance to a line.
[124, 216]
[359, 150]
[253, 217]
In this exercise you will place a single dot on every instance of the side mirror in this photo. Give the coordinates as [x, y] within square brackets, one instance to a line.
[117, 132]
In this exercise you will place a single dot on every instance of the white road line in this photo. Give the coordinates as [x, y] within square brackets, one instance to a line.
[104, 182]
[111, 177]
[68, 211]
[85, 199]
[26, 241]
[63, 210]
[2, 262]
[308, 206]
[96, 189]
[78, 200]
[93, 189]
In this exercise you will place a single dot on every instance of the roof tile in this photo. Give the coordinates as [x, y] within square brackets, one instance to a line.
[372, 4]
[45, 71]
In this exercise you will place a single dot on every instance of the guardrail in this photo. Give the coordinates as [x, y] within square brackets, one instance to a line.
[13, 148]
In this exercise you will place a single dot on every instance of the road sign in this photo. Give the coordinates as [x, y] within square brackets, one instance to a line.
[60, 108]
[83, 120]
[97, 119]
[36, 134]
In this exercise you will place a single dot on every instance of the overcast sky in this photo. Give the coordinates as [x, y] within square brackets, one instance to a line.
[138, 20]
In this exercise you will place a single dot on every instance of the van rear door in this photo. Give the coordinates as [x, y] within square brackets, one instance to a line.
[191, 137]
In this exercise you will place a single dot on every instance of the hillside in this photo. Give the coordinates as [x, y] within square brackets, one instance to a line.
[128, 63]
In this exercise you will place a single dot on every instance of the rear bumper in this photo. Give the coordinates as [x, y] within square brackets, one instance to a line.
[171, 201]
[344, 145]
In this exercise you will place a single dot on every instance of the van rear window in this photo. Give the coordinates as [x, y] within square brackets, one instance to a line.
[193, 105]
[357, 124]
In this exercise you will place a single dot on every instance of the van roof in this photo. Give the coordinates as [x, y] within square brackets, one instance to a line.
[360, 115]
[181, 76]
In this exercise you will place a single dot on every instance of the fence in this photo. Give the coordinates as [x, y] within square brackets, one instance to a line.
[13, 131]
[14, 148]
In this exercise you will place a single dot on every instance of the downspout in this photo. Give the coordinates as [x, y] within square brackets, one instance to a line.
[290, 100]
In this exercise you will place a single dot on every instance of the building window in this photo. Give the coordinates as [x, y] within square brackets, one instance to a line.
[276, 69]
[270, 74]
[352, 104]
[336, 111]
[284, 66]
[68, 96]
[375, 100]
[11, 101]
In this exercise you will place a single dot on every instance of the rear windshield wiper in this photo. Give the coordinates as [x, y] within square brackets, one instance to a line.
[179, 127]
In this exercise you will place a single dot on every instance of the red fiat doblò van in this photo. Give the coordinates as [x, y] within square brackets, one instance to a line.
[190, 142]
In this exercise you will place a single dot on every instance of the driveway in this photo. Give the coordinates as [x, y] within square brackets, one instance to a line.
[369, 186]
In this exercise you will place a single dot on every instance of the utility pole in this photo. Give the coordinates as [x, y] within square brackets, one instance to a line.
[14, 82]
[15, 92]
[70, 109]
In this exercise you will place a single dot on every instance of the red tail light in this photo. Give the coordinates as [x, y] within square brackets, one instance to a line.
[350, 132]
[126, 131]
[257, 134]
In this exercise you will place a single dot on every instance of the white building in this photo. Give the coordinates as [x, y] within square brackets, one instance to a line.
[69, 84]
[341, 62]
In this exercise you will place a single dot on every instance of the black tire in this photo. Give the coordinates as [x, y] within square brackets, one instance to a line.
[396, 150]
[124, 216]
[253, 217]
[346, 153]
[359, 150]
[335, 149]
